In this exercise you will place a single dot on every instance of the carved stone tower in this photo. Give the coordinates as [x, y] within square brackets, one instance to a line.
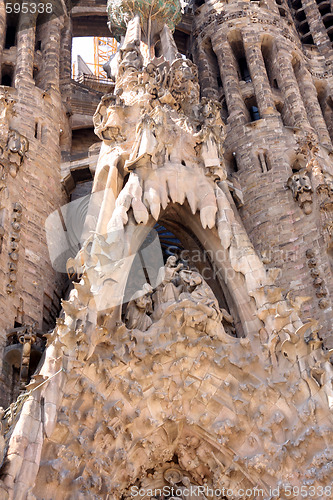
[189, 370]
[32, 119]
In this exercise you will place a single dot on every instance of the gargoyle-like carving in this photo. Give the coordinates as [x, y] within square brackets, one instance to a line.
[300, 185]
[130, 58]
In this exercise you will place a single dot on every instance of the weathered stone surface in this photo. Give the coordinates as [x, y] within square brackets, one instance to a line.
[218, 372]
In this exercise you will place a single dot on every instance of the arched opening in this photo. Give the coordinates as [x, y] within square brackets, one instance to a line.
[176, 238]
[7, 75]
[37, 72]
[237, 46]
[11, 31]
[252, 108]
[82, 140]
[231, 164]
[285, 116]
[267, 54]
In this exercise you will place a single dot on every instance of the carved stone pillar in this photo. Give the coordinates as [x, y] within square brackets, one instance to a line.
[207, 73]
[25, 47]
[260, 80]
[66, 52]
[230, 80]
[310, 99]
[289, 87]
[51, 52]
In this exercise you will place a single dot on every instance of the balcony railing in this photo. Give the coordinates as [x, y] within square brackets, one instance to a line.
[93, 81]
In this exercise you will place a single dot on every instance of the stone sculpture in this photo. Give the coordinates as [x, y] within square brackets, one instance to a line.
[13, 145]
[302, 190]
[115, 402]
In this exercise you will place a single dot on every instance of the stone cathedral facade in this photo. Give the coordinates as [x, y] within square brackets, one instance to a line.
[166, 252]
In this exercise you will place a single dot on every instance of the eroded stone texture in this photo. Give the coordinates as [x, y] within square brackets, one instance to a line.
[192, 381]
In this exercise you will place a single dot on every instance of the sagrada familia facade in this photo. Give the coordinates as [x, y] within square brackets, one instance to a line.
[166, 250]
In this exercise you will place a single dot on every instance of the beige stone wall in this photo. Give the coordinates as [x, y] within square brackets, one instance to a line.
[281, 79]
[37, 115]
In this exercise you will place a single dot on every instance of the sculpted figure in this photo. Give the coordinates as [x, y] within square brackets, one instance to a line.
[300, 185]
[212, 136]
[138, 310]
[183, 84]
[181, 483]
[168, 290]
[145, 143]
[17, 147]
[109, 119]
[200, 292]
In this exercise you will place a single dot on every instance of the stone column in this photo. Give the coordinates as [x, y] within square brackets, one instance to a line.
[2, 30]
[310, 98]
[289, 87]
[25, 48]
[260, 80]
[66, 52]
[51, 52]
[207, 75]
[65, 83]
[230, 81]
